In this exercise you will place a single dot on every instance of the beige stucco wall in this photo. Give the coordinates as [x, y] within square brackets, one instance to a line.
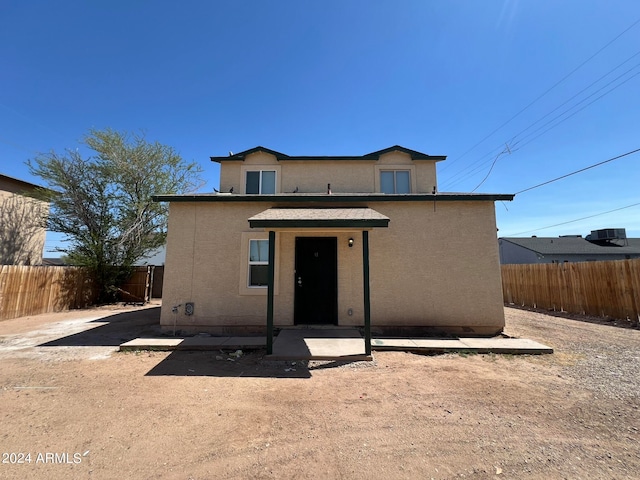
[206, 264]
[435, 266]
[312, 176]
[22, 235]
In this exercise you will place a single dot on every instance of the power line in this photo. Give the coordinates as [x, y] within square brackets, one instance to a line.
[546, 91]
[18, 146]
[506, 150]
[579, 171]
[518, 144]
[578, 111]
[576, 220]
[582, 91]
[472, 168]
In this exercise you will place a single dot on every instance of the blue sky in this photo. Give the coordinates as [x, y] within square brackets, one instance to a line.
[347, 77]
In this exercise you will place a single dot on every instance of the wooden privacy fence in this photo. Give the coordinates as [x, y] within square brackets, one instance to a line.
[143, 284]
[32, 290]
[608, 289]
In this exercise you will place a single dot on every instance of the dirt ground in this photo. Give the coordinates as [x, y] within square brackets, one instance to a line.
[73, 407]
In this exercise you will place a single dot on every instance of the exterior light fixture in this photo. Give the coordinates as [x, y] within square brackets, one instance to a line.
[350, 242]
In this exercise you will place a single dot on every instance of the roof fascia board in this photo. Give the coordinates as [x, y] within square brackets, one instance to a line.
[335, 198]
[373, 156]
[240, 157]
[23, 183]
[350, 223]
[415, 155]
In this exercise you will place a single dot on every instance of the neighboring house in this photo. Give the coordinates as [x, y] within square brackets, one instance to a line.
[22, 232]
[356, 241]
[605, 244]
[155, 257]
[53, 262]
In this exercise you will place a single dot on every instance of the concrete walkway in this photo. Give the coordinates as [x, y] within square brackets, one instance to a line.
[338, 344]
[319, 344]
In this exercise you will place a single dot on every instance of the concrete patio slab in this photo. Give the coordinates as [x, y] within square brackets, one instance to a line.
[226, 343]
[435, 344]
[151, 344]
[338, 344]
[441, 344]
[319, 344]
[393, 343]
[514, 346]
[506, 345]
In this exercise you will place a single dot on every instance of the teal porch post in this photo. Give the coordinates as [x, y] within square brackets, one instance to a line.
[271, 281]
[367, 293]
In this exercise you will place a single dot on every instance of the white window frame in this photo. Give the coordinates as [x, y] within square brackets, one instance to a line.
[243, 272]
[395, 171]
[256, 262]
[261, 171]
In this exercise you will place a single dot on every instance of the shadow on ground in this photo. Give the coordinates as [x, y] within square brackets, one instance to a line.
[223, 364]
[117, 329]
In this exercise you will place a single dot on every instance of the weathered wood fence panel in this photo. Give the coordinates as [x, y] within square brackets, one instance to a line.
[139, 286]
[158, 282]
[610, 288]
[32, 290]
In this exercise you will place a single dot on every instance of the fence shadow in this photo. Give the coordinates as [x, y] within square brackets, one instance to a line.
[220, 364]
[118, 328]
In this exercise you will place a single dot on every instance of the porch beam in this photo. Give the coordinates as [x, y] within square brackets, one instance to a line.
[367, 293]
[270, 289]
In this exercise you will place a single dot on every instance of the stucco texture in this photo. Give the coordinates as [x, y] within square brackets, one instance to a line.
[22, 233]
[435, 267]
[313, 176]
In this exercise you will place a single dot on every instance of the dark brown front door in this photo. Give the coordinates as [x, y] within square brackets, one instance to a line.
[316, 280]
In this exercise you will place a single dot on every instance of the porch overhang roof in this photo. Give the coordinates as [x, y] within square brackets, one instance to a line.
[319, 218]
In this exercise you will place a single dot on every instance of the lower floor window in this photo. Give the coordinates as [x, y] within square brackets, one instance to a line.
[258, 263]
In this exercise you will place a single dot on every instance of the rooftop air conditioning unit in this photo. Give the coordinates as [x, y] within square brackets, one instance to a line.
[608, 234]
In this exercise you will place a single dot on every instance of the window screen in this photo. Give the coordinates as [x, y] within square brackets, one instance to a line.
[258, 263]
[395, 181]
[261, 182]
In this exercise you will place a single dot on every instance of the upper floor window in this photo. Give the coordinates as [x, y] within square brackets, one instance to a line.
[395, 181]
[261, 182]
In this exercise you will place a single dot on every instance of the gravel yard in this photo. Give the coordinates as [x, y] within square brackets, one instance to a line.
[79, 409]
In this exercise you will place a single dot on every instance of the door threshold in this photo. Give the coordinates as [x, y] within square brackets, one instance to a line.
[317, 326]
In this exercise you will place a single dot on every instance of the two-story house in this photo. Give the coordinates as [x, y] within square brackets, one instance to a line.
[364, 241]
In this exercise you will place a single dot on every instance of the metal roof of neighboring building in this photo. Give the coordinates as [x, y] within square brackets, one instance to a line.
[574, 246]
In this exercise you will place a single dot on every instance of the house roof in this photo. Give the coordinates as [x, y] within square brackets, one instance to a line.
[574, 246]
[21, 183]
[334, 198]
[319, 217]
[373, 156]
[53, 262]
